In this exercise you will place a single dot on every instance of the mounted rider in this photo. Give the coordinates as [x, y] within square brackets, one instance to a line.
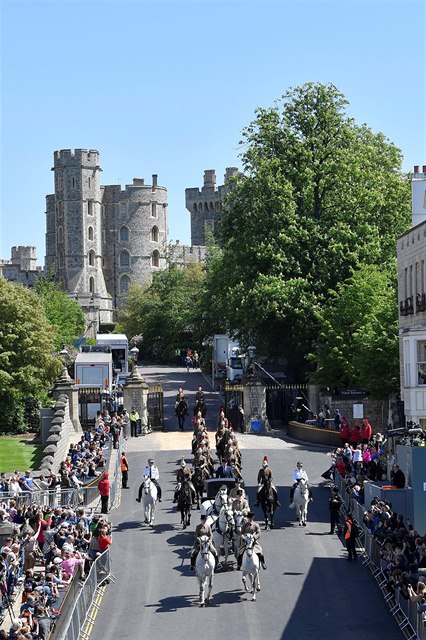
[299, 474]
[184, 474]
[264, 476]
[181, 407]
[202, 529]
[200, 462]
[251, 527]
[152, 472]
[234, 491]
[233, 463]
[222, 420]
[239, 503]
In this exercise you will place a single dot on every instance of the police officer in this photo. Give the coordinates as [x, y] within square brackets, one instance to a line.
[152, 472]
[124, 466]
[299, 474]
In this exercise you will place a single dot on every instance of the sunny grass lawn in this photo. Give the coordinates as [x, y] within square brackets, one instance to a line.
[15, 455]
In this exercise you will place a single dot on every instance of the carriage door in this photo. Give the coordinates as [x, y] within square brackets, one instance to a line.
[156, 407]
[234, 402]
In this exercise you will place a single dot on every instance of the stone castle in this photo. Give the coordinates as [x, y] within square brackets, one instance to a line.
[99, 239]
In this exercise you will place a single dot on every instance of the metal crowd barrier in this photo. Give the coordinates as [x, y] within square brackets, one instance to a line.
[410, 621]
[75, 619]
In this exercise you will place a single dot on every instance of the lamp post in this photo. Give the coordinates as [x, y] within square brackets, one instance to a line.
[134, 353]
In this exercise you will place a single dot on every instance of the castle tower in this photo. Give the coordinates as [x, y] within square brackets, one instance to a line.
[205, 204]
[74, 233]
[135, 238]
[418, 195]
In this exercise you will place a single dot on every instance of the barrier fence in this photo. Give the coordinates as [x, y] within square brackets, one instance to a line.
[409, 619]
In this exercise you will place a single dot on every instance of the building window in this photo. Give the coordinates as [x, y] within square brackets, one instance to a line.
[90, 233]
[421, 362]
[195, 207]
[124, 234]
[124, 259]
[155, 259]
[89, 181]
[153, 209]
[90, 207]
[92, 258]
[123, 209]
[73, 183]
[154, 234]
[60, 234]
[92, 285]
[61, 260]
[124, 284]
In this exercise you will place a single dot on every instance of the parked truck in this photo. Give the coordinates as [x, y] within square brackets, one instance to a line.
[226, 361]
[93, 377]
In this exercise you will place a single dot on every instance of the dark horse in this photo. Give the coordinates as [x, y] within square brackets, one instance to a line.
[268, 502]
[184, 501]
[181, 412]
[198, 482]
[200, 406]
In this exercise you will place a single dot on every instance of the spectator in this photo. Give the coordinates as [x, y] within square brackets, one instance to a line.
[104, 489]
[397, 477]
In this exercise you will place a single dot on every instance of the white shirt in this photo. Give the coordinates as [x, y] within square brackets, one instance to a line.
[151, 472]
[357, 457]
[300, 474]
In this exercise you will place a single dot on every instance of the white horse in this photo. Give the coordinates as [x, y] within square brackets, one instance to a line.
[149, 500]
[204, 568]
[223, 530]
[301, 500]
[250, 565]
[213, 507]
[239, 519]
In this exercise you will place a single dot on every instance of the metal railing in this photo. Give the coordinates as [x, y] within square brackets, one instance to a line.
[75, 618]
[409, 620]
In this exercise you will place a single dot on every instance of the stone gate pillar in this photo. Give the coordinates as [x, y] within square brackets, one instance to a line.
[65, 385]
[254, 403]
[135, 394]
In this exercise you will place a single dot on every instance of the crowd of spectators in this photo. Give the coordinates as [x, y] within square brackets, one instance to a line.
[402, 549]
[54, 537]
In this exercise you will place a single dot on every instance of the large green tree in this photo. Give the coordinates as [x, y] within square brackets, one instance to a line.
[163, 311]
[320, 197]
[27, 363]
[357, 343]
[64, 314]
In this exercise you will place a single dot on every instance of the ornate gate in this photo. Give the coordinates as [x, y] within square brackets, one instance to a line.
[156, 407]
[234, 405]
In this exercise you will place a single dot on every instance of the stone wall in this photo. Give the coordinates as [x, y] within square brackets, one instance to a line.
[60, 434]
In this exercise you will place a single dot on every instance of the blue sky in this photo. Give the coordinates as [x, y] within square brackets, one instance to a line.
[167, 87]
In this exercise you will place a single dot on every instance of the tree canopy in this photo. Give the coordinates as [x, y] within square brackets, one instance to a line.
[64, 314]
[163, 311]
[320, 197]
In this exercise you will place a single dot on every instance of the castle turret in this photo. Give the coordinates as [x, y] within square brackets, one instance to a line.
[205, 205]
[418, 193]
[74, 232]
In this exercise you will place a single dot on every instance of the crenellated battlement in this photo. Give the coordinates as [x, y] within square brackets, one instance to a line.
[76, 157]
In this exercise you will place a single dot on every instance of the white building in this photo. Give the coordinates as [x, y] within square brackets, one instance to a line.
[411, 256]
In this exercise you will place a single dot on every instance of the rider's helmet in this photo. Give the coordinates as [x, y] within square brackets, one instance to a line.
[265, 461]
[150, 461]
[183, 463]
[299, 464]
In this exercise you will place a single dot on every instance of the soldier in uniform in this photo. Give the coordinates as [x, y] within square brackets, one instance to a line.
[299, 474]
[233, 462]
[265, 473]
[202, 529]
[251, 527]
[184, 474]
[239, 503]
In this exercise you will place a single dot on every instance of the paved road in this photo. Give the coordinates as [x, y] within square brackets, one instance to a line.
[308, 591]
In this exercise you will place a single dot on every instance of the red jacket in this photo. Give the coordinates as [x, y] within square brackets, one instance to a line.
[103, 486]
[366, 431]
[345, 432]
[355, 435]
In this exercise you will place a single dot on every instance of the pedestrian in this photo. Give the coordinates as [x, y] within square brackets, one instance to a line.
[334, 504]
[104, 488]
[398, 477]
[350, 533]
[134, 418]
[124, 466]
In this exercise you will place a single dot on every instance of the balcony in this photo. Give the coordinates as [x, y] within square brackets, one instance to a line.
[420, 302]
[406, 308]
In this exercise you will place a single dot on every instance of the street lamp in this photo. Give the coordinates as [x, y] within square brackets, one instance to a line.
[134, 353]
